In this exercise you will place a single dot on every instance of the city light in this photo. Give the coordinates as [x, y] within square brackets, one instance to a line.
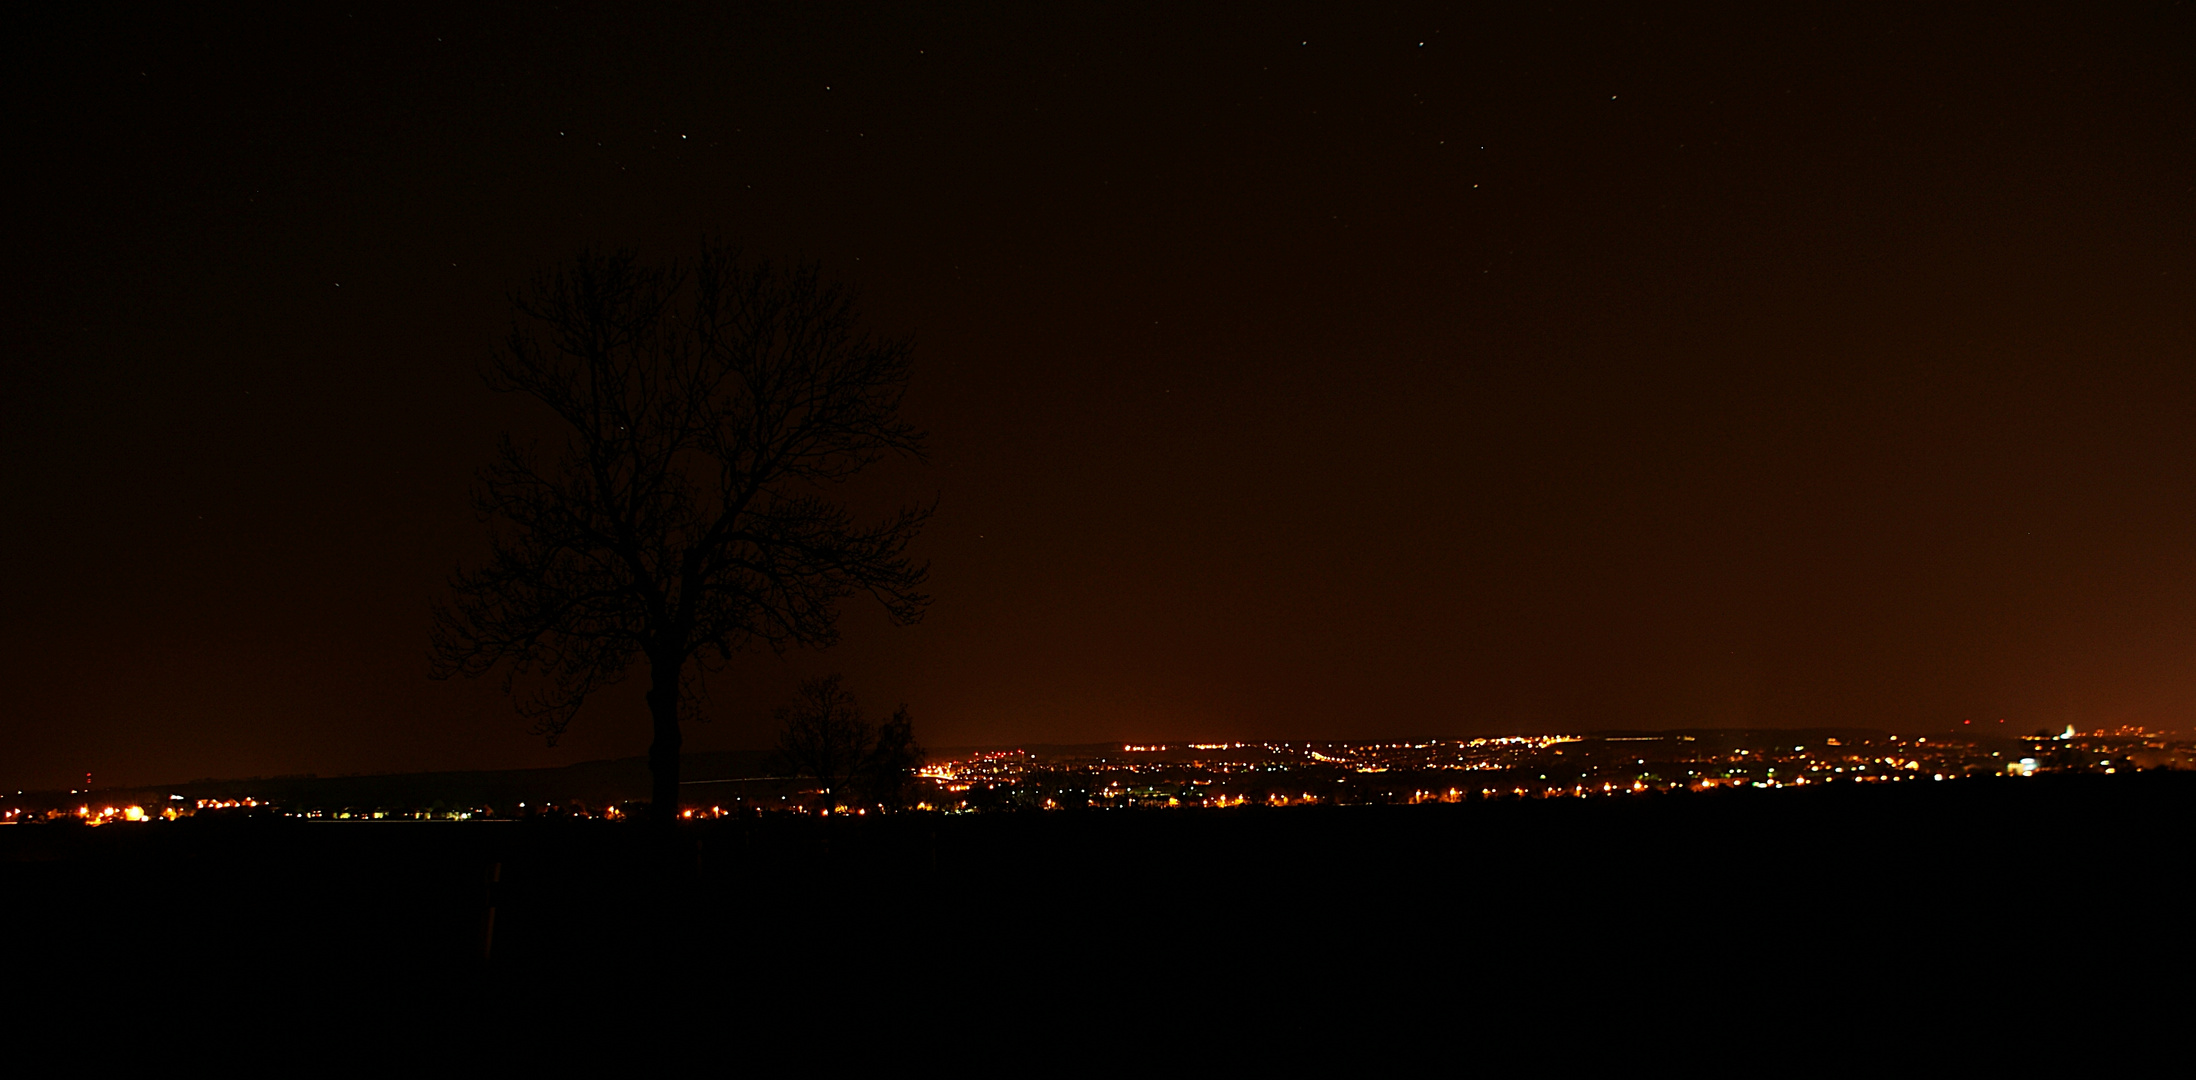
[1232, 775]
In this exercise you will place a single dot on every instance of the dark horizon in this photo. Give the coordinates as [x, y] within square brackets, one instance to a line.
[289, 794]
[1619, 763]
[1292, 375]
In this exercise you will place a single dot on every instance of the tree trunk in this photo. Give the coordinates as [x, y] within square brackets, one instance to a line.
[663, 753]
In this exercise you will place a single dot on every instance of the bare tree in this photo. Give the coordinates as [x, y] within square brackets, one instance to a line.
[823, 735]
[893, 761]
[686, 515]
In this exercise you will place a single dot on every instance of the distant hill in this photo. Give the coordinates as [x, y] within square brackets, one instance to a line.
[620, 780]
[596, 783]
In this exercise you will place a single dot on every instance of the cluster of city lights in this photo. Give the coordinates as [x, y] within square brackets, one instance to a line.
[694, 813]
[1536, 766]
[1238, 774]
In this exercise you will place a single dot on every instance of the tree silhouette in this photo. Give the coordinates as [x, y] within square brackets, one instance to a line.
[708, 410]
[822, 735]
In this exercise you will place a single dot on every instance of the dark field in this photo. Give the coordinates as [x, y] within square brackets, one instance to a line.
[2032, 894]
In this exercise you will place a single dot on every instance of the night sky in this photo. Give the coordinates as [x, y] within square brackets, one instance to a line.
[1315, 373]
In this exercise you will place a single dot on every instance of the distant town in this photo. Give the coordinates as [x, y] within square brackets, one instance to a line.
[1610, 764]
[1202, 775]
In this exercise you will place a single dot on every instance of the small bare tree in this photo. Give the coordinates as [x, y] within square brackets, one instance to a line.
[823, 735]
[686, 515]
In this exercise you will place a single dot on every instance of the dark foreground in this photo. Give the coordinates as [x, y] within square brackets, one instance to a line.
[2027, 895]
